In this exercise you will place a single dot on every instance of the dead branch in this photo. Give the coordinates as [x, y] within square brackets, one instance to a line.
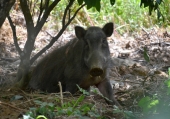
[61, 92]
[12, 106]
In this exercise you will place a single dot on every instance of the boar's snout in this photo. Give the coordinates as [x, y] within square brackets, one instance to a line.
[96, 72]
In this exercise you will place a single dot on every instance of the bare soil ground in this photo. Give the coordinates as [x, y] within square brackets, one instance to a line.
[131, 76]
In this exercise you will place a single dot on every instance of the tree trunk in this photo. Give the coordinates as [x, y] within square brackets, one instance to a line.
[5, 6]
[23, 74]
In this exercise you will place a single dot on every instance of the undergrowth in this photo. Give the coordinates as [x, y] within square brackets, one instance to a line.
[76, 108]
[157, 106]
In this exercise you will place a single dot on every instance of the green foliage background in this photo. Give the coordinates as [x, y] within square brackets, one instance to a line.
[127, 15]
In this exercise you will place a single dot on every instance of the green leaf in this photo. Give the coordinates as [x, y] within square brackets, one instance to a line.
[83, 91]
[112, 2]
[89, 3]
[51, 104]
[153, 5]
[143, 103]
[42, 110]
[69, 111]
[77, 113]
[146, 4]
[92, 114]
[38, 102]
[93, 3]
[150, 9]
[168, 91]
[156, 6]
[167, 82]
[141, 2]
[81, 98]
[80, 2]
[44, 104]
[169, 71]
[129, 114]
[97, 5]
[159, 14]
[158, 1]
[154, 103]
[85, 108]
[148, 104]
[145, 54]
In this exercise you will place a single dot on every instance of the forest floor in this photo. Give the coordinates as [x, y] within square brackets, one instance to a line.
[131, 75]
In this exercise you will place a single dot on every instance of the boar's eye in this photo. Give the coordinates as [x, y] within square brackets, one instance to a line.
[86, 45]
[104, 42]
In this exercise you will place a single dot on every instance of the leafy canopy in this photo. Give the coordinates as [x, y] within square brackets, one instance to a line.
[152, 4]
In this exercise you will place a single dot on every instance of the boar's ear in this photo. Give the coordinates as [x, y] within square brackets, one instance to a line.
[108, 29]
[80, 32]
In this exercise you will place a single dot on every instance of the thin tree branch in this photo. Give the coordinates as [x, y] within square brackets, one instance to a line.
[30, 33]
[14, 35]
[41, 10]
[32, 6]
[56, 37]
[5, 6]
[45, 16]
[27, 15]
[43, 6]
[46, 4]
[75, 14]
[66, 11]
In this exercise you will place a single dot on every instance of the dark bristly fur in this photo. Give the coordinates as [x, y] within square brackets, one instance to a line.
[83, 61]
